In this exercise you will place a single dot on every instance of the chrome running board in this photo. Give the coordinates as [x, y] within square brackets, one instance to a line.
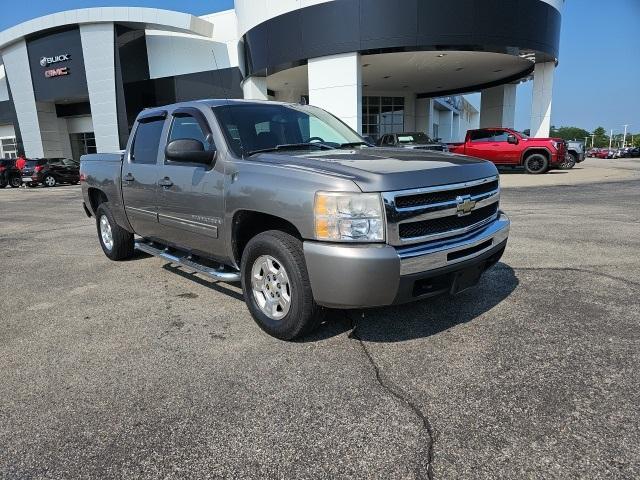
[222, 274]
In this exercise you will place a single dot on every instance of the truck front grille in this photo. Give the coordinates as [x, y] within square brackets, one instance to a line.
[446, 224]
[446, 211]
[411, 201]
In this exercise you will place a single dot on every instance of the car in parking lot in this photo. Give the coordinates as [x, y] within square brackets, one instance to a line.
[507, 147]
[9, 173]
[412, 140]
[575, 154]
[51, 171]
[604, 153]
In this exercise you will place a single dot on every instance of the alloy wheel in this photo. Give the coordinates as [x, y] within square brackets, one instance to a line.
[106, 233]
[270, 287]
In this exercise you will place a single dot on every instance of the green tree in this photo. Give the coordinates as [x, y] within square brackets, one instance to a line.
[601, 139]
[570, 133]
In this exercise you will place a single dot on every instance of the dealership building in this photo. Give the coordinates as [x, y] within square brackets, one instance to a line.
[73, 82]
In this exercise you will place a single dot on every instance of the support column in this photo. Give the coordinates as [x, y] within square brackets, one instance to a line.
[445, 129]
[98, 49]
[16, 63]
[541, 102]
[498, 106]
[335, 84]
[410, 112]
[54, 137]
[424, 115]
[255, 88]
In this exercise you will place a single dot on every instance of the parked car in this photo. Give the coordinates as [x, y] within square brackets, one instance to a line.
[296, 206]
[51, 171]
[575, 154]
[592, 152]
[9, 174]
[414, 140]
[634, 152]
[605, 153]
[504, 146]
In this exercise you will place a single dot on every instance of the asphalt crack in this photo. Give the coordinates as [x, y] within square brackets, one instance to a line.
[423, 470]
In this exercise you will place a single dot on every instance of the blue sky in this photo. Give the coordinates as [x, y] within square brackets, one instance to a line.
[597, 81]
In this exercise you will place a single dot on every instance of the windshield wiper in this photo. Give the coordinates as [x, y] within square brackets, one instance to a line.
[291, 146]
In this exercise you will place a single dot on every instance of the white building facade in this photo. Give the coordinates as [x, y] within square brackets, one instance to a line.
[73, 82]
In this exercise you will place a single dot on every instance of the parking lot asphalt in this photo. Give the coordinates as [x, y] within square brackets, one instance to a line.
[137, 370]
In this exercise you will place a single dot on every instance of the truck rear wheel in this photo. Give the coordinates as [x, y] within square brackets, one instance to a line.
[536, 163]
[116, 242]
[276, 286]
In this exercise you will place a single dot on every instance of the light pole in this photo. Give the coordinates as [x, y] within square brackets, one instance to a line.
[624, 139]
[610, 139]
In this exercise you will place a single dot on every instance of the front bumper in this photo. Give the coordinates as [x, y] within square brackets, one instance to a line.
[359, 276]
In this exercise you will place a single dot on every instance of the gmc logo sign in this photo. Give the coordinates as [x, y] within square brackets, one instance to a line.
[56, 72]
[44, 61]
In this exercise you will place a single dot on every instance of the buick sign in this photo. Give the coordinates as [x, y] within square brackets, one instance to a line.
[46, 61]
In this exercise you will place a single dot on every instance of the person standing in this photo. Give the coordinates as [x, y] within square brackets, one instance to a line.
[21, 162]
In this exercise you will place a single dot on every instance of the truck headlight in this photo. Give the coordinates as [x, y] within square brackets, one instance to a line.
[349, 217]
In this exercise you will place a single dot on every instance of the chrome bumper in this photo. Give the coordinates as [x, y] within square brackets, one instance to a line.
[443, 254]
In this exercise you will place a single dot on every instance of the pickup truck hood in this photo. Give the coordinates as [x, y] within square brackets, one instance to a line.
[386, 169]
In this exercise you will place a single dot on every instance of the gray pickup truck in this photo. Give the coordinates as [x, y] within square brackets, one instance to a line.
[296, 206]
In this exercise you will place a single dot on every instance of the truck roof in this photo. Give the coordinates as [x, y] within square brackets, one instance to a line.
[210, 102]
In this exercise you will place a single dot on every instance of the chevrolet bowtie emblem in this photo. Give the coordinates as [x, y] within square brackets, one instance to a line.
[464, 205]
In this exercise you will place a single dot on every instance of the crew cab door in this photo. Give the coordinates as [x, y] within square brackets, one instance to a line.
[505, 153]
[140, 173]
[479, 144]
[190, 194]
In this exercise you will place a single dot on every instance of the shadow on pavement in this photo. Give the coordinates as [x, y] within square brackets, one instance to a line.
[217, 286]
[521, 171]
[423, 318]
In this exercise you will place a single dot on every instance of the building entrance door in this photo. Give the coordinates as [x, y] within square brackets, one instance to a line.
[82, 144]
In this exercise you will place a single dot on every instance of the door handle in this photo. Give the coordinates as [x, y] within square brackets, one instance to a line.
[165, 182]
[128, 177]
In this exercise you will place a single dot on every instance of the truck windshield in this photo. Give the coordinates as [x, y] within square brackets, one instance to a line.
[252, 128]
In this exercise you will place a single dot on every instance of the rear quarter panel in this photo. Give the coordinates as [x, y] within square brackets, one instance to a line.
[103, 172]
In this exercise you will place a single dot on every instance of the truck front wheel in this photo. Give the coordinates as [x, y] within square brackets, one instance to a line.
[116, 242]
[276, 285]
[536, 163]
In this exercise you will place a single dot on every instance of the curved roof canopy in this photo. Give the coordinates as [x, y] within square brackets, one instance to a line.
[152, 18]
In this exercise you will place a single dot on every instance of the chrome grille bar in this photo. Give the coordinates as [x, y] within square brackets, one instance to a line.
[445, 213]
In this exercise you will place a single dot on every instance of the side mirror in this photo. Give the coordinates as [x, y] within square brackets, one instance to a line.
[512, 139]
[189, 150]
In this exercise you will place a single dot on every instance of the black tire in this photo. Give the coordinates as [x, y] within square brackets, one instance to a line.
[304, 314]
[536, 163]
[122, 246]
[2, 184]
[570, 161]
[15, 182]
[49, 181]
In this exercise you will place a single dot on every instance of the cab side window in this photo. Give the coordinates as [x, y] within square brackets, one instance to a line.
[147, 141]
[481, 136]
[500, 136]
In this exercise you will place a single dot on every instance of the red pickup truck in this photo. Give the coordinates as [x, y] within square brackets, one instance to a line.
[504, 146]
